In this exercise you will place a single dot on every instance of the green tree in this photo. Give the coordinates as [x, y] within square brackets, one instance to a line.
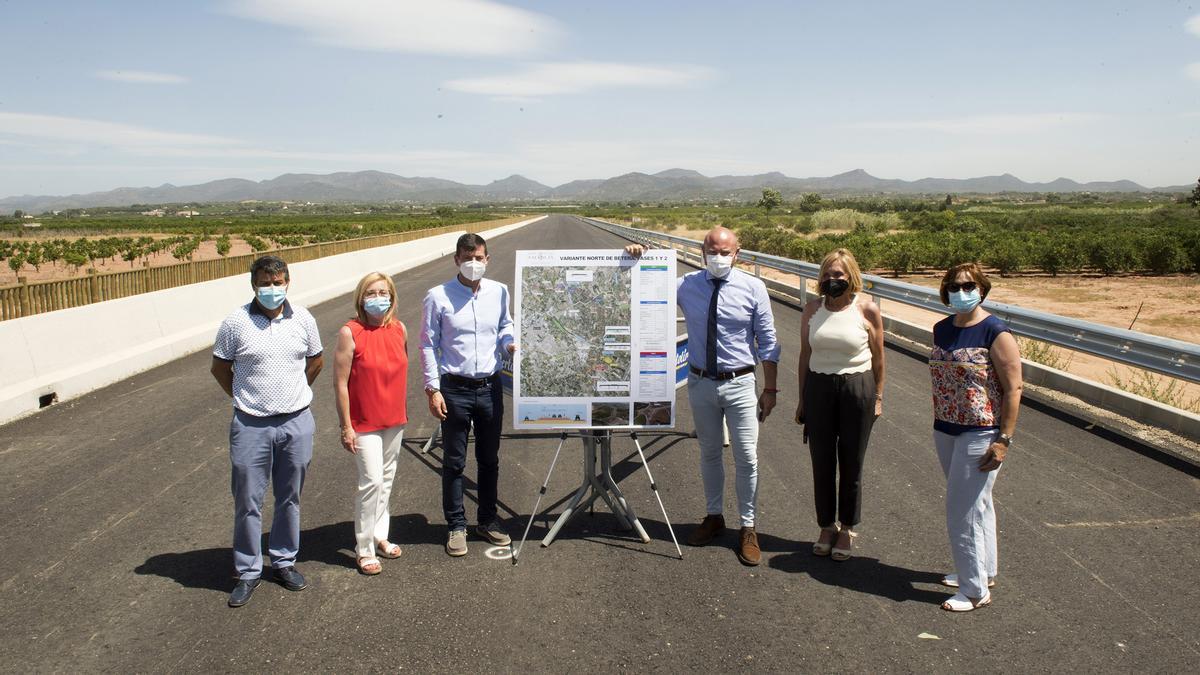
[34, 256]
[800, 248]
[770, 199]
[810, 202]
[900, 254]
[1194, 200]
[224, 245]
[1165, 255]
[1059, 252]
[256, 243]
[75, 259]
[1113, 253]
[15, 261]
[1006, 253]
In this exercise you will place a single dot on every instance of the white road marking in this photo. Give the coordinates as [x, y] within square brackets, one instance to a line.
[498, 552]
[1195, 517]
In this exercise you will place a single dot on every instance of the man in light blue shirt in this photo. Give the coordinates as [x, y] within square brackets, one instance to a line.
[729, 310]
[465, 328]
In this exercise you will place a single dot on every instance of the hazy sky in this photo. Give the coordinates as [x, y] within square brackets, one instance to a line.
[97, 95]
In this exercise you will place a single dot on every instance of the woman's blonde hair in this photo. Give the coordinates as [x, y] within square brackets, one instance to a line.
[844, 256]
[361, 290]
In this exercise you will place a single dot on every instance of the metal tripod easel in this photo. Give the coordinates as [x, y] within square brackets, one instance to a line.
[597, 482]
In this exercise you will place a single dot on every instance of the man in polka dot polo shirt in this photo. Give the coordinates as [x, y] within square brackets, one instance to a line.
[266, 355]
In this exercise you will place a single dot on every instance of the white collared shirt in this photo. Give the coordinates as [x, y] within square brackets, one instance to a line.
[269, 357]
[464, 332]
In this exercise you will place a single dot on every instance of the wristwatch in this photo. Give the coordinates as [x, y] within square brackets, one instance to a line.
[1005, 439]
[430, 391]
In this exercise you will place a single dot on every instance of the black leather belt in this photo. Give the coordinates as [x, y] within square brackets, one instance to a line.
[722, 376]
[461, 381]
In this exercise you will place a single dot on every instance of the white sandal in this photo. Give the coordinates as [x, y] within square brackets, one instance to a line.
[843, 554]
[823, 549]
[369, 566]
[951, 581]
[961, 603]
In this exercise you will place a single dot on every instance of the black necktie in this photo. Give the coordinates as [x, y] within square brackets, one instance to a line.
[710, 346]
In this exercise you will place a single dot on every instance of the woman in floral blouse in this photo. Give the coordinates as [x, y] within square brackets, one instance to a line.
[976, 370]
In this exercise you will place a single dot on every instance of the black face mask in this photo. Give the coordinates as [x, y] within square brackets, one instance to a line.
[834, 287]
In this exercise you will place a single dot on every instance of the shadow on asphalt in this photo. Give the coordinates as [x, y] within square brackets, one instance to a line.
[860, 574]
[602, 527]
[212, 568]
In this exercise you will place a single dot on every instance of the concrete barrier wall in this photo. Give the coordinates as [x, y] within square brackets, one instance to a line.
[73, 351]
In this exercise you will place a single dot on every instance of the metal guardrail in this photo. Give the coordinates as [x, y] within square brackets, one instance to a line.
[1159, 354]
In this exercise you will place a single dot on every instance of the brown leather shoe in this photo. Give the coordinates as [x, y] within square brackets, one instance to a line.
[749, 552]
[708, 530]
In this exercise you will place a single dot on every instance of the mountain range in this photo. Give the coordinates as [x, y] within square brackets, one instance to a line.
[669, 185]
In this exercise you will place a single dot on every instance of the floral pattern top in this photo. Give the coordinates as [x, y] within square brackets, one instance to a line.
[966, 391]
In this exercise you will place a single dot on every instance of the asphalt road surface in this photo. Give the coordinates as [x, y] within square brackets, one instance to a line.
[115, 517]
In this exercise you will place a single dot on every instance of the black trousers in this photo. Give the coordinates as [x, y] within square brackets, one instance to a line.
[483, 406]
[839, 411]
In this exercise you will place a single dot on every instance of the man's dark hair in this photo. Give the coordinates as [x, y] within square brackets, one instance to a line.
[469, 242]
[271, 265]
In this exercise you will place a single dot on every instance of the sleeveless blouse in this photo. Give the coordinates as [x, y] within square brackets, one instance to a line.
[839, 340]
[378, 377]
[966, 391]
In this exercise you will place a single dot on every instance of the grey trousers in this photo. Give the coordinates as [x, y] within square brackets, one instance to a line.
[734, 402]
[970, 512]
[273, 449]
[839, 411]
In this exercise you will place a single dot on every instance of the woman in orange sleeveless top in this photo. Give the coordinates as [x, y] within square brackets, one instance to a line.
[371, 377]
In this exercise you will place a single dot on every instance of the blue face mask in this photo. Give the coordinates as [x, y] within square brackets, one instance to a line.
[271, 297]
[964, 301]
[377, 306]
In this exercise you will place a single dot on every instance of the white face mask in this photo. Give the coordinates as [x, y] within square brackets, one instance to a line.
[719, 265]
[472, 270]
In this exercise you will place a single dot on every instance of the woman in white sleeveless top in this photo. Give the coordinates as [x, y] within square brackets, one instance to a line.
[841, 394]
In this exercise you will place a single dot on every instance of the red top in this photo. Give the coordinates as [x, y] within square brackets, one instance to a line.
[378, 376]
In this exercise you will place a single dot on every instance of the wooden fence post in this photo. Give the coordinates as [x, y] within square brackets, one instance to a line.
[26, 305]
[94, 284]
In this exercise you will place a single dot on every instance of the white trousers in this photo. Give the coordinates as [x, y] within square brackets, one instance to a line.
[376, 459]
[970, 512]
[736, 403]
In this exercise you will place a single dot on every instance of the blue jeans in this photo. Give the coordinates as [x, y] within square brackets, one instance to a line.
[261, 449]
[736, 403]
[482, 406]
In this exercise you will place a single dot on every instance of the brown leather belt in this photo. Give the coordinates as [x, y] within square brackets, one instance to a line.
[722, 376]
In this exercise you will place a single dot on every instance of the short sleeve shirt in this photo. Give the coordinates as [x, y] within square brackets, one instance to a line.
[966, 391]
[269, 358]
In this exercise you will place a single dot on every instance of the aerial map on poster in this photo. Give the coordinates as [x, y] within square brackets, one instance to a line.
[596, 336]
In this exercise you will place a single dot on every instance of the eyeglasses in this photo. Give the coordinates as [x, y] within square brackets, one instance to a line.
[968, 286]
[376, 294]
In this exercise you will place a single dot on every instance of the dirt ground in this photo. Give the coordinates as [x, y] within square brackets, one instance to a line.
[206, 251]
